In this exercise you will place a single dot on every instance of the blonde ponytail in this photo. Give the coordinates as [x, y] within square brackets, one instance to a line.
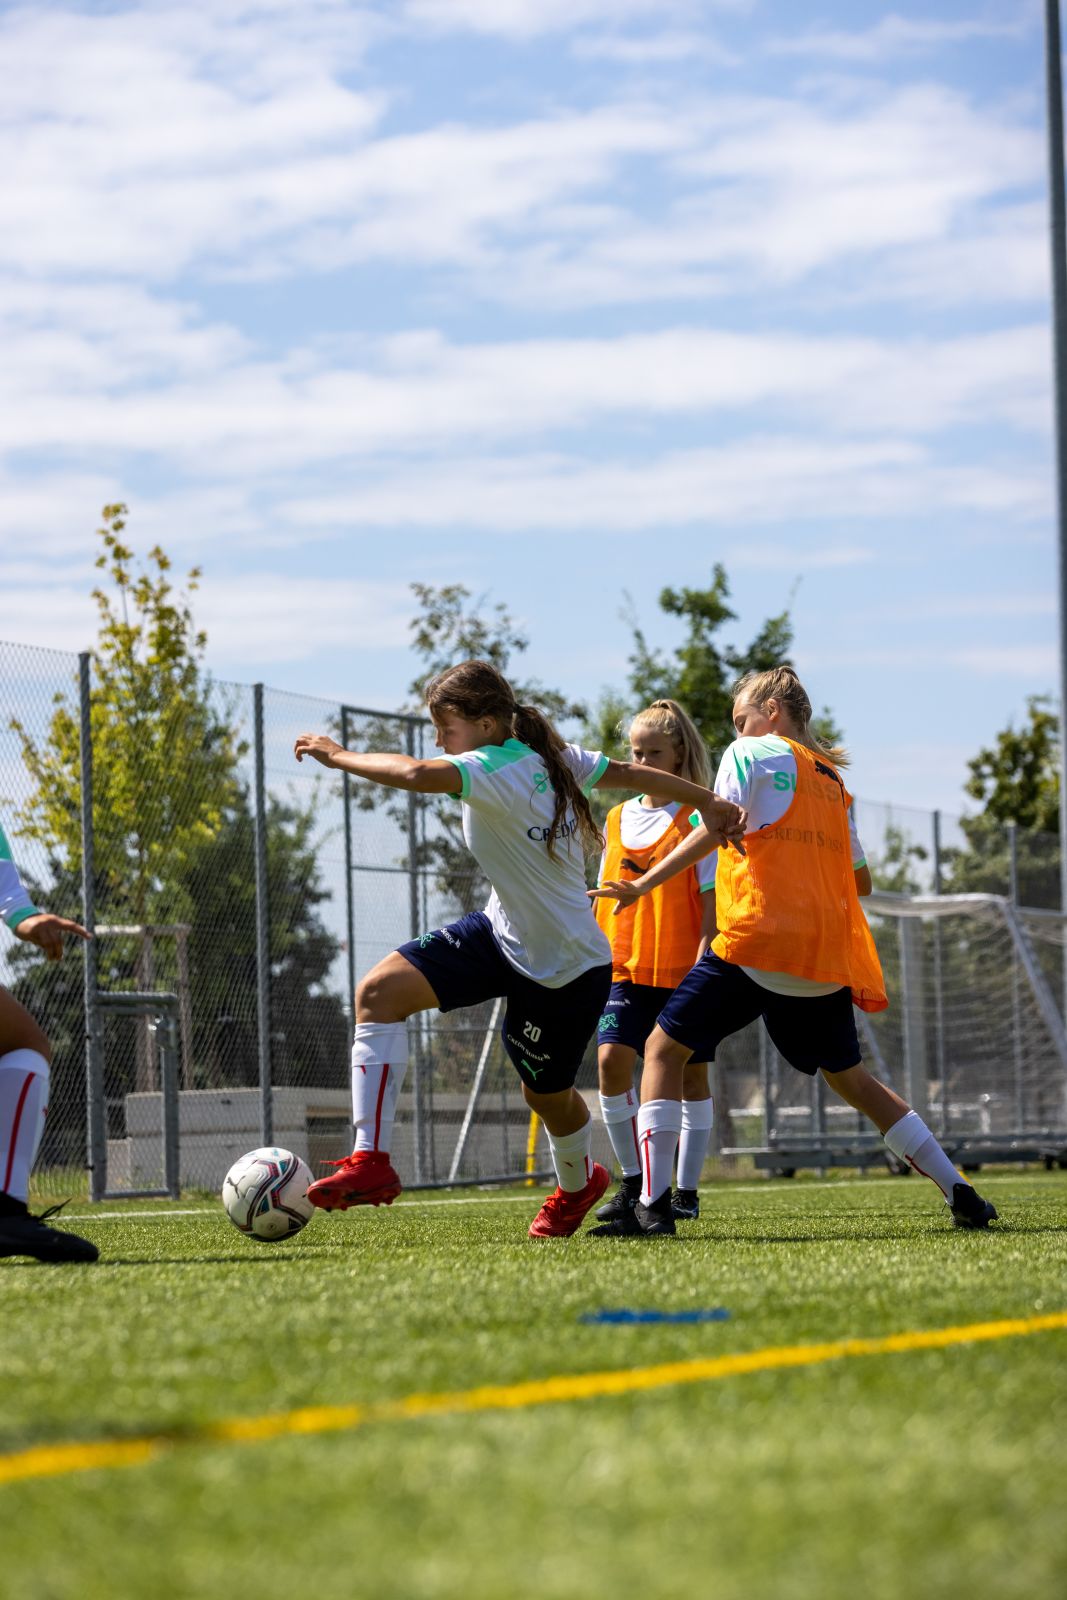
[783, 685]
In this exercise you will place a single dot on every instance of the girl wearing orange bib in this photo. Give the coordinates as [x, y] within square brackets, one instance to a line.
[793, 945]
[654, 943]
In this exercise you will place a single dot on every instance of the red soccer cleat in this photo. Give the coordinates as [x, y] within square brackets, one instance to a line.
[365, 1178]
[563, 1213]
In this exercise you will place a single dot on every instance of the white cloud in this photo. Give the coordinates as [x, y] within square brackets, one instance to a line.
[749, 482]
[653, 49]
[894, 35]
[942, 608]
[1038, 664]
[419, 393]
[527, 19]
[252, 617]
[270, 162]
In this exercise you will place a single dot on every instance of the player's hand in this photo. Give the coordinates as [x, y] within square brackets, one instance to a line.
[726, 822]
[319, 746]
[46, 932]
[626, 893]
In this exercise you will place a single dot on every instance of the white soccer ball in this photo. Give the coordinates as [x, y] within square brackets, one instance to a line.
[266, 1194]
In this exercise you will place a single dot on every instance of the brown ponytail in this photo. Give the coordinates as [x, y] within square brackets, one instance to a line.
[475, 689]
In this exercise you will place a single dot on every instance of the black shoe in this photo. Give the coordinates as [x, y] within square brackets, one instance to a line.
[968, 1208]
[622, 1201]
[624, 1226]
[657, 1218]
[23, 1234]
[685, 1205]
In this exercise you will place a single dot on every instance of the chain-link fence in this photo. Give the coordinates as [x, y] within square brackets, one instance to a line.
[241, 897]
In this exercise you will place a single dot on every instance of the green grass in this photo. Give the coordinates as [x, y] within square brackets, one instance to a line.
[929, 1473]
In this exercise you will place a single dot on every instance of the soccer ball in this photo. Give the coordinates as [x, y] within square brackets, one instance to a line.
[266, 1194]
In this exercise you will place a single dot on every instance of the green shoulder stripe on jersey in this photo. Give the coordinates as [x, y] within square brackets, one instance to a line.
[754, 747]
[597, 773]
[491, 757]
[5, 848]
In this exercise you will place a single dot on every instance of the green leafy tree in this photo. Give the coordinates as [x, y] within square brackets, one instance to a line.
[451, 625]
[1016, 779]
[701, 669]
[164, 759]
[174, 843]
[895, 868]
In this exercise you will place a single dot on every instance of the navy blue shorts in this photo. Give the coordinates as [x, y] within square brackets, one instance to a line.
[717, 998]
[631, 1013]
[545, 1031]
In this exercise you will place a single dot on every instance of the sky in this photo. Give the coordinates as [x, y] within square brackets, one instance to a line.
[565, 300]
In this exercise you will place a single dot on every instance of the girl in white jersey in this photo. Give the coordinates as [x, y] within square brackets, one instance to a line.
[24, 1064]
[653, 945]
[526, 820]
[793, 946]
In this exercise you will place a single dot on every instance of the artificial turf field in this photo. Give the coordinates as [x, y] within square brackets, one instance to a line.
[864, 1471]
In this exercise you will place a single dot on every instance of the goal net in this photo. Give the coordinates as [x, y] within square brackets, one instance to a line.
[973, 1038]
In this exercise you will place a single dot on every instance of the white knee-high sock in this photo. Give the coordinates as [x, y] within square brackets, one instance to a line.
[659, 1122]
[620, 1119]
[571, 1157]
[911, 1140]
[379, 1062]
[698, 1119]
[23, 1103]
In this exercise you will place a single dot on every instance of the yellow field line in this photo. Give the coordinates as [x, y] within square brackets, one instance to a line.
[50, 1461]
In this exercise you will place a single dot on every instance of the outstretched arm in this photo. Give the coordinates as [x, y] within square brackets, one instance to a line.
[394, 771]
[699, 843]
[724, 821]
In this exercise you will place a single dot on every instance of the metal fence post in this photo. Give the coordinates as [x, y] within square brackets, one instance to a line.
[263, 1019]
[913, 1005]
[1016, 994]
[350, 910]
[169, 1050]
[940, 1057]
[95, 1108]
[419, 1129]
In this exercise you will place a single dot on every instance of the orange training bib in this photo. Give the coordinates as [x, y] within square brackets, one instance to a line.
[655, 940]
[790, 904]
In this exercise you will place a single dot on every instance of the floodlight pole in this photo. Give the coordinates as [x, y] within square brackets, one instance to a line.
[1058, 231]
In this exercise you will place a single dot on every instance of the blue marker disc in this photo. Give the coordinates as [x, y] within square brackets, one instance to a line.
[716, 1314]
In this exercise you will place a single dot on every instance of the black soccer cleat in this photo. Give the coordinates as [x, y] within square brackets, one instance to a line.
[685, 1205]
[23, 1234]
[622, 1201]
[968, 1208]
[656, 1220]
[624, 1226]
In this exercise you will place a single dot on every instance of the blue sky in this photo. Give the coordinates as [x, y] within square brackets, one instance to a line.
[556, 298]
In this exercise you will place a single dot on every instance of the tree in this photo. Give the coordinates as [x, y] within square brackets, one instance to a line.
[174, 843]
[165, 759]
[700, 671]
[451, 626]
[894, 869]
[1017, 781]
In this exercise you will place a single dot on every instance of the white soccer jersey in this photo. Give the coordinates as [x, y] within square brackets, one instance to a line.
[540, 914]
[15, 903]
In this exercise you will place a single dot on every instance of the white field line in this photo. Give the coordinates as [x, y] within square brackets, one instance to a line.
[527, 1199]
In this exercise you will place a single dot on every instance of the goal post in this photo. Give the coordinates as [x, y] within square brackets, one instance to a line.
[973, 1038]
